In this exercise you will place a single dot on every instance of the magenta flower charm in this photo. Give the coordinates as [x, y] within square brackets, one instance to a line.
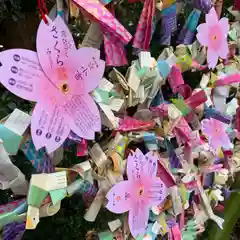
[213, 34]
[59, 78]
[139, 193]
[216, 133]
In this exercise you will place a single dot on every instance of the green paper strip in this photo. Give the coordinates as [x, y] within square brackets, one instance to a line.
[57, 195]
[36, 196]
[181, 106]
[105, 236]
[11, 141]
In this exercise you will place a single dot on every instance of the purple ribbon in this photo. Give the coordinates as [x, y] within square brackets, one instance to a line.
[13, 231]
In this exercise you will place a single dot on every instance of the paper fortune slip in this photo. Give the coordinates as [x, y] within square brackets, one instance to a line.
[12, 129]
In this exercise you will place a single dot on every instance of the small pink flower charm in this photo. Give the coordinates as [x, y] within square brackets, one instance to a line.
[139, 193]
[213, 34]
[216, 132]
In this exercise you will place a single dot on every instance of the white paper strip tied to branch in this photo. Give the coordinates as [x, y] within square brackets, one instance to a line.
[92, 212]
[10, 175]
[98, 156]
[93, 37]
[34, 213]
[114, 225]
[48, 210]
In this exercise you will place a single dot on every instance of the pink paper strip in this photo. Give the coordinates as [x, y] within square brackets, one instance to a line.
[175, 78]
[182, 131]
[212, 168]
[130, 124]
[106, 19]
[114, 49]
[82, 148]
[235, 78]
[165, 176]
[237, 5]
[176, 232]
[196, 99]
[143, 33]
[161, 110]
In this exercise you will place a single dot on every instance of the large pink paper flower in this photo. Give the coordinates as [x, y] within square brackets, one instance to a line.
[216, 132]
[141, 191]
[58, 77]
[213, 34]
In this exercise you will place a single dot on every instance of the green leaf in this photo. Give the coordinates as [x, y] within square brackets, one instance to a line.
[231, 215]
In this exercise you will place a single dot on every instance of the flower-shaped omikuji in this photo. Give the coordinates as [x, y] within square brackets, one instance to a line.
[58, 77]
[139, 193]
[213, 34]
[216, 133]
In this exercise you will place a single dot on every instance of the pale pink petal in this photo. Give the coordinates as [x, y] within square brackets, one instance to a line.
[150, 165]
[54, 45]
[86, 69]
[211, 17]
[120, 197]
[224, 26]
[50, 96]
[48, 129]
[214, 142]
[135, 163]
[138, 218]
[202, 35]
[21, 73]
[212, 58]
[206, 126]
[224, 50]
[83, 116]
[225, 141]
[157, 193]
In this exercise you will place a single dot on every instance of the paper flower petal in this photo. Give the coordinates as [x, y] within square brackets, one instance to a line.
[212, 58]
[54, 44]
[120, 197]
[150, 165]
[214, 143]
[21, 73]
[87, 69]
[135, 163]
[157, 193]
[224, 50]
[202, 35]
[48, 129]
[138, 219]
[83, 116]
[206, 126]
[211, 17]
[225, 142]
[224, 26]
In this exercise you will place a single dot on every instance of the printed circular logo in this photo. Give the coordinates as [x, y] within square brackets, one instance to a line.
[48, 135]
[57, 139]
[12, 81]
[16, 57]
[14, 69]
[39, 132]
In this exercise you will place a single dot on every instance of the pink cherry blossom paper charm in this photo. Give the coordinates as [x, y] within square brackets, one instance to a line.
[59, 78]
[213, 34]
[139, 193]
[216, 132]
